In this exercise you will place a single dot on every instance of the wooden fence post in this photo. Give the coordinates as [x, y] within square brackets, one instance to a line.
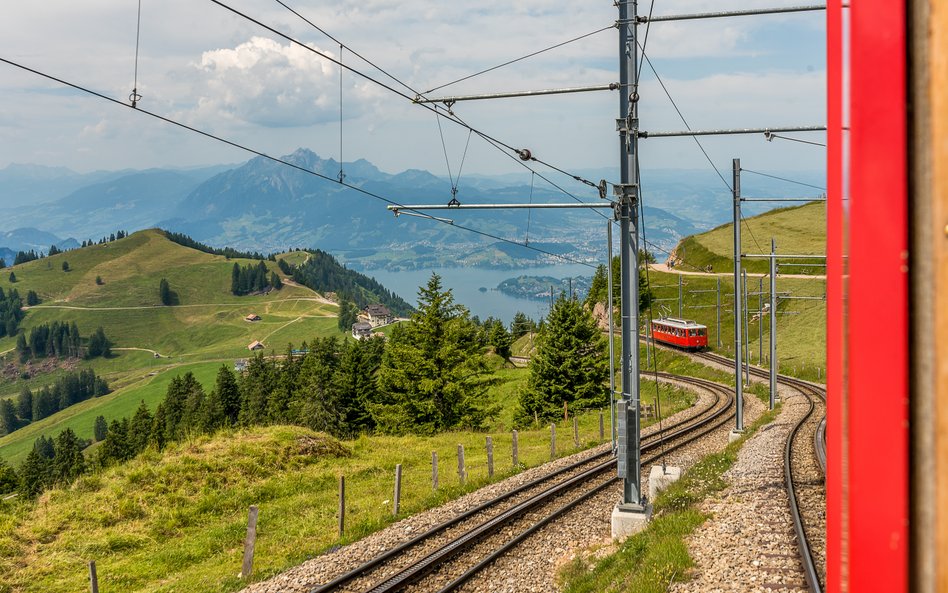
[516, 461]
[553, 441]
[93, 578]
[602, 426]
[434, 470]
[249, 542]
[342, 505]
[490, 457]
[462, 473]
[398, 488]
[575, 431]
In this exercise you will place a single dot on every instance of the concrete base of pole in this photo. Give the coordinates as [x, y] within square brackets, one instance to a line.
[734, 435]
[660, 478]
[629, 519]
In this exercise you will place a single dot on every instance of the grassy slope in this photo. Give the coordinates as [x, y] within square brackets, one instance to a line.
[204, 331]
[182, 528]
[798, 229]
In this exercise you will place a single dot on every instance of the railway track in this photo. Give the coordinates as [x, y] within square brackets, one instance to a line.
[804, 473]
[449, 554]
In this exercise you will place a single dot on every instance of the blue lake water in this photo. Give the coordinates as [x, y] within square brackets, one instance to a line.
[465, 284]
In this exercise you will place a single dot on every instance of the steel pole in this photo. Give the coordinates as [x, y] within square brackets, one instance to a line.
[680, 314]
[612, 341]
[628, 216]
[760, 320]
[747, 370]
[718, 317]
[773, 323]
[738, 380]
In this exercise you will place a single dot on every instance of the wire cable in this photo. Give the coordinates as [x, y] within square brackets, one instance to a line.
[342, 175]
[648, 26]
[770, 136]
[783, 179]
[514, 61]
[135, 97]
[253, 151]
[447, 114]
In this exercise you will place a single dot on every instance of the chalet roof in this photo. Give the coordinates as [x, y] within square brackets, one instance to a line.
[361, 325]
[252, 317]
[255, 345]
[377, 310]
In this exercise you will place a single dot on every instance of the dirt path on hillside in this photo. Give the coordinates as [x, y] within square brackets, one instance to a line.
[142, 307]
[665, 269]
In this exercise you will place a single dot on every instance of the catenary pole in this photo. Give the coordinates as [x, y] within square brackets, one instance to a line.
[747, 368]
[773, 323]
[680, 299]
[627, 192]
[612, 341]
[760, 321]
[738, 379]
[718, 316]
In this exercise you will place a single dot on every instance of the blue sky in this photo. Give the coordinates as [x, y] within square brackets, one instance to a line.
[204, 66]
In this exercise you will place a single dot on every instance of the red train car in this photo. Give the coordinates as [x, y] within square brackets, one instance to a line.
[682, 333]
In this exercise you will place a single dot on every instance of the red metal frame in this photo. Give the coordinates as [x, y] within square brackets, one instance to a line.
[867, 333]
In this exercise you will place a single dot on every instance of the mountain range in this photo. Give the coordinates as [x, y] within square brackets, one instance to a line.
[265, 206]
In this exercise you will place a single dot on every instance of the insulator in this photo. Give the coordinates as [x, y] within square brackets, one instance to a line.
[525, 154]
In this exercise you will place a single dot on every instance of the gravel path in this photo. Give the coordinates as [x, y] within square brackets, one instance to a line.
[749, 544]
[532, 565]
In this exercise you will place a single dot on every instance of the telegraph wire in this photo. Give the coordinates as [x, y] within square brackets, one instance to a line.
[783, 179]
[441, 113]
[253, 151]
[509, 62]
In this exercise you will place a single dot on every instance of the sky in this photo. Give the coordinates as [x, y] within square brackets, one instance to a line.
[202, 65]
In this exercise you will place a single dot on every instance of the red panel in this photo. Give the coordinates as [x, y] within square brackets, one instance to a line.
[877, 323]
[835, 307]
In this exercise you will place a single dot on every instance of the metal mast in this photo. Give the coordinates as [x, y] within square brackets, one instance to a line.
[738, 307]
[630, 466]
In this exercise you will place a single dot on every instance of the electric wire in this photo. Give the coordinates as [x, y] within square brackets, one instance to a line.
[648, 26]
[772, 135]
[253, 151]
[447, 114]
[135, 97]
[514, 61]
[342, 175]
[783, 179]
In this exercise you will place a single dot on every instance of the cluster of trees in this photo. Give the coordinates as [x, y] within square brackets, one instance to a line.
[253, 278]
[112, 237]
[61, 340]
[228, 252]
[570, 366]
[31, 406]
[49, 464]
[348, 313]
[165, 294]
[599, 289]
[323, 273]
[11, 312]
[23, 257]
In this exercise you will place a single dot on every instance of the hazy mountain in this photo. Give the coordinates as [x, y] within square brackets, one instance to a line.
[24, 184]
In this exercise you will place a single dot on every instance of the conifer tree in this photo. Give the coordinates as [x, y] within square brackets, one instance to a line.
[100, 429]
[314, 403]
[434, 375]
[115, 447]
[354, 380]
[68, 463]
[12, 278]
[259, 381]
[229, 394]
[9, 480]
[570, 365]
[164, 292]
[139, 429]
[24, 404]
[65, 266]
[8, 421]
[32, 298]
[35, 474]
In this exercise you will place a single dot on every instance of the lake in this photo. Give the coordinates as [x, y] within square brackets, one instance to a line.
[465, 284]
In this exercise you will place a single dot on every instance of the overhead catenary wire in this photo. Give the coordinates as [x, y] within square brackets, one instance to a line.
[411, 98]
[783, 179]
[342, 174]
[134, 97]
[286, 163]
[520, 59]
[770, 136]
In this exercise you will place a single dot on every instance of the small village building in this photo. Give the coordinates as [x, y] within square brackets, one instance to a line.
[256, 345]
[376, 315]
[361, 330]
[252, 317]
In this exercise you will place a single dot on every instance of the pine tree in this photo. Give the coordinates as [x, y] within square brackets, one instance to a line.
[315, 404]
[570, 365]
[275, 281]
[521, 325]
[229, 394]
[9, 480]
[12, 278]
[32, 299]
[499, 338]
[68, 463]
[259, 381]
[434, 375]
[65, 266]
[100, 429]
[354, 381]
[235, 279]
[35, 474]
[139, 429]
[24, 404]
[115, 447]
[8, 421]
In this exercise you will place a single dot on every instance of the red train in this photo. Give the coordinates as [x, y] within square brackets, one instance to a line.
[682, 333]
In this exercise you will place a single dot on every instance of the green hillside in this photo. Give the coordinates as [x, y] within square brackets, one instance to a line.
[798, 230]
[204, 330]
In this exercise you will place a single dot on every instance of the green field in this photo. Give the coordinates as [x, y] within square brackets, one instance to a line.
[204, 330]
[797, 230]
